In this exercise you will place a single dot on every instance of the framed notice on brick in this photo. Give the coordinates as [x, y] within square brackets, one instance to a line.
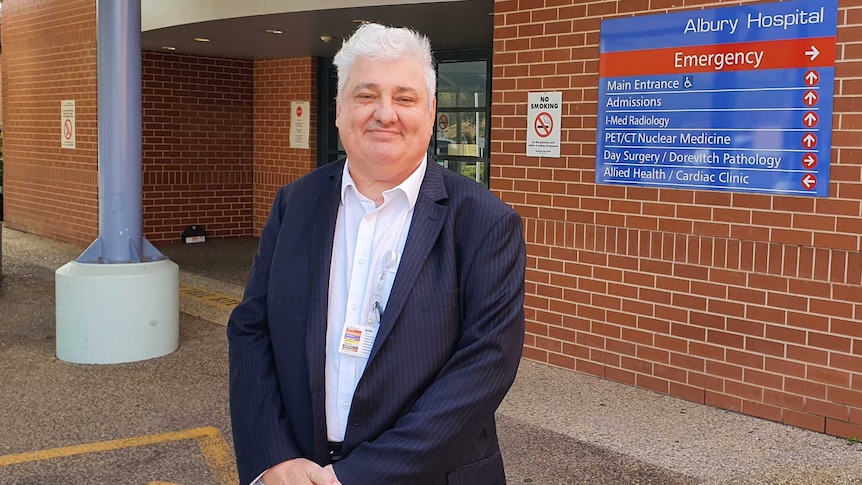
[67, 123]
[299, 116]
[543, 124]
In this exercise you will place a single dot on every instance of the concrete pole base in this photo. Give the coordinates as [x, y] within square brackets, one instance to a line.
[114, 313]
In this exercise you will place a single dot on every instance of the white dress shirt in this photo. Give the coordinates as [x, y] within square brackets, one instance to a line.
[366, 253]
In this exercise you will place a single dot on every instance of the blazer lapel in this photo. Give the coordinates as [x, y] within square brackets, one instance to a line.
[428, 218]
[322, 232]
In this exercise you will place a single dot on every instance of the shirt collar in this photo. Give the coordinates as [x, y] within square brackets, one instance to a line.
[409, 187]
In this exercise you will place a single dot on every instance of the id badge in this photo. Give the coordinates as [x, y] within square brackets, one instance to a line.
[357, 340]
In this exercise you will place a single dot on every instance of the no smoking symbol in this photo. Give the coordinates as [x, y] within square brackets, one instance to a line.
[544, 124]
[67, 129]
[443, 122]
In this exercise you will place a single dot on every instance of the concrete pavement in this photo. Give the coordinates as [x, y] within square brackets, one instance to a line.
[165, 421]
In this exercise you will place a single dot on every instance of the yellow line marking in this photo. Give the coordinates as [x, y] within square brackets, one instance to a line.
[208, 297]
[219, 458]
[66, 451]
[213, 446]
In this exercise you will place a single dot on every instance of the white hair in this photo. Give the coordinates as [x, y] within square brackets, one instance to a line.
[381, 43]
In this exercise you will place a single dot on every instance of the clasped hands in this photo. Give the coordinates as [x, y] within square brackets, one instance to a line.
[300, 471]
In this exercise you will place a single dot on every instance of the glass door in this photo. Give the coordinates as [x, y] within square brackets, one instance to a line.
[329, 147]
[461, 142]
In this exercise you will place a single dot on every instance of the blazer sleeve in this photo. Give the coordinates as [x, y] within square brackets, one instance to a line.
[261, 432]
[462, 399]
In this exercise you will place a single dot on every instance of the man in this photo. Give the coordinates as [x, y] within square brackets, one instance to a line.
[383, 319]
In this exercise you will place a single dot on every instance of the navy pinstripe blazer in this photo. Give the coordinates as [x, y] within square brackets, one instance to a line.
[446, 353]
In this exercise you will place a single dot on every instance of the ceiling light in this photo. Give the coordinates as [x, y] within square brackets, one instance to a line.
[202, 39]
[326, 39]
[361, 21]
[169, 48]
[274, 31]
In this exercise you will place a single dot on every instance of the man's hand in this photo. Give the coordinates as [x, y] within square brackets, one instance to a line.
[300, 471]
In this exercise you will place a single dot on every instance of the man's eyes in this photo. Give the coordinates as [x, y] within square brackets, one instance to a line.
[403, 100]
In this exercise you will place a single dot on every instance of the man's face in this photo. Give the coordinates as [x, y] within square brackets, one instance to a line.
[384, 118]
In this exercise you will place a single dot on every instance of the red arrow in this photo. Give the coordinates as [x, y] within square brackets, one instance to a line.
[809, 160]
[809, 140]
[810, 119]
[809, 181]
[811, 77]
[809, 98]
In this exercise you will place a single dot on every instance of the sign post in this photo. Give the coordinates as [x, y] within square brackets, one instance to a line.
[736, 98]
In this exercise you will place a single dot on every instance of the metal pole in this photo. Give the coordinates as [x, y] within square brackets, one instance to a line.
[118, 50]
[126, 310]
[118, 24]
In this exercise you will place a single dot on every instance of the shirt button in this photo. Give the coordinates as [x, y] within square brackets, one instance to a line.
[354, 306]
[379, 287]
[344, 405]
[361, 261]
[369, 217]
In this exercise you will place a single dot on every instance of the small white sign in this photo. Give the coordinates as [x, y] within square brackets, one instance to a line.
[299, 115]
[67, 123]
[543, 124]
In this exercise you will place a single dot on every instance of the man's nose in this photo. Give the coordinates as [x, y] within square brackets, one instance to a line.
[385, 112]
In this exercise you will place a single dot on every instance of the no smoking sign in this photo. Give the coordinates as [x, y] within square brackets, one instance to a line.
[442, 122]
[543, 121]
[67, 123]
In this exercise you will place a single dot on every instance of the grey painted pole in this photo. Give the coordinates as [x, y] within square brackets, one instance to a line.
[118, 49]
[113, 313]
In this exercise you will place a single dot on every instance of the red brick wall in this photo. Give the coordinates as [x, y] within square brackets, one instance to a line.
[1, 87]
[197, 142]
[746, 302]
[197, 131]
[1, 119]
[48, 190]
[276, 84]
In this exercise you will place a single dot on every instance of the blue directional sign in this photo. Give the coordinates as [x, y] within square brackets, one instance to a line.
[736, 98]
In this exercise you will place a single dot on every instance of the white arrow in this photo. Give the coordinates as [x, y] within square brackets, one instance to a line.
[811, 77]
[808, 181]
[808, 161]
[811, 97]
[809, 140]
[810, 119]
[813, 53]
